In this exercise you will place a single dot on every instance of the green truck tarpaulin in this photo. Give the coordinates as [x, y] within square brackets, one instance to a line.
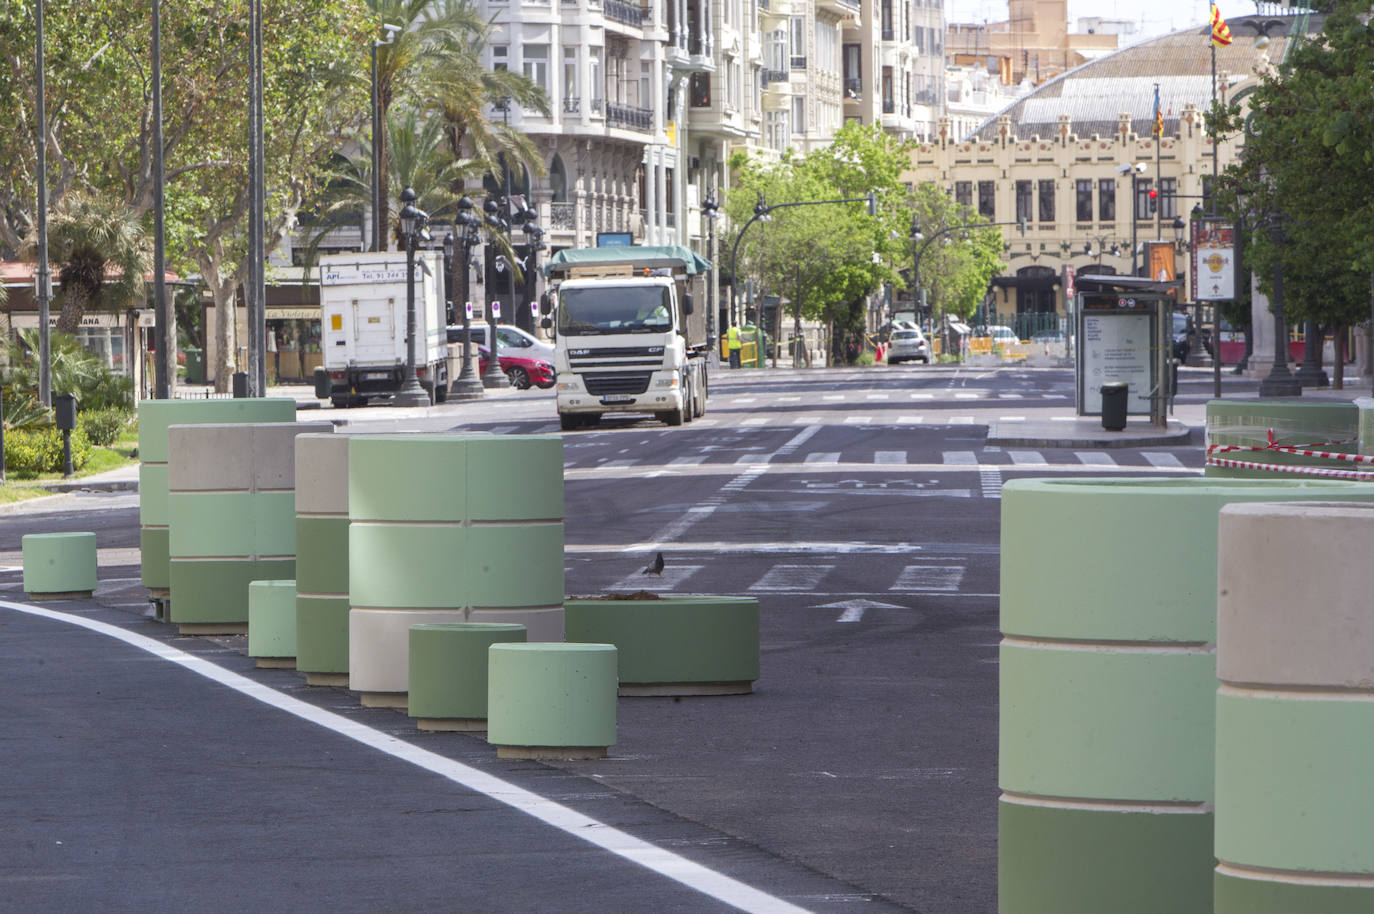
[669, 255]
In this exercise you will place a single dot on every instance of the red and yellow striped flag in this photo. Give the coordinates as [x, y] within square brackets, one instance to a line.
[1221, 32]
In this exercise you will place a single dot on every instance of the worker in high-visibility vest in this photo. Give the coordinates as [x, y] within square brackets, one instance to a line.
[732, 341]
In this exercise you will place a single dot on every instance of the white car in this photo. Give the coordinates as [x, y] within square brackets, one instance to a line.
[514, 341]
[1001, 336]
[907, 345]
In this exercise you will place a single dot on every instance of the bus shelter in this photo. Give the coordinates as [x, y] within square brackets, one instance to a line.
[1124, 333]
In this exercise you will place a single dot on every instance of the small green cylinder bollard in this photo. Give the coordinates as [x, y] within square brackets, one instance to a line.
[551, 700]
[272, 624]
[59, 566]
[448, 672]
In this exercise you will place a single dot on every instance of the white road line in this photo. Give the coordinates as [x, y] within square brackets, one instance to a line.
[503, 429]
[751, 459]
[910, 420]
[960, 458]
[1027, 458]
[1161, 459]
[923, 396]
[1007, 396]
[1011, 418]
[823, 457]
[967, 396]
[687, 461]
[961, 420]
[929, 579]
[876, 397]
[546, 429]
[858, 420]
[705, 423]
[789, 399]
[739, 400]
[791, 577]
[755, 420]
[990, 478]
[1095, 458]
[832, 397]
[889, 456]
[599, 834]
[628, 462]
[672, 576]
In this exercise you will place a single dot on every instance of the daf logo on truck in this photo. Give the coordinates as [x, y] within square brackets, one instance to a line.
[628, 336]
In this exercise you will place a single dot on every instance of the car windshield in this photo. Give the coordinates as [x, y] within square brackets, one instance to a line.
[906, 335]
[615, 309]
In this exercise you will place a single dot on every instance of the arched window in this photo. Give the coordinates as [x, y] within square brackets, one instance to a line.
[558, 180]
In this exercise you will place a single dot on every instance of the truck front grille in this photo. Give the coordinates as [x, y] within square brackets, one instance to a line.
[604, 384]
[617, 356]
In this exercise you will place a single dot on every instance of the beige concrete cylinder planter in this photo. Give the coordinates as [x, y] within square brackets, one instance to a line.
[322, 559]
[1108, 681]
[677, 645]
[59, 566]
[448, 672]
[551, 700]
[1295, 710]
[154, 418]
[449, 528]
[272, 624]
[232, 510]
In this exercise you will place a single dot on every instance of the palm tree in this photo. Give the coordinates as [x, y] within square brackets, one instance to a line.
[431, 38]
[104, 252]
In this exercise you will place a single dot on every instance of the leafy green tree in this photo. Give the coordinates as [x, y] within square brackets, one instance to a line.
[959, 254]
[1309, 130]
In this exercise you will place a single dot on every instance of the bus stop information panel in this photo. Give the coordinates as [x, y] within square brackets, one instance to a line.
[1122, 330]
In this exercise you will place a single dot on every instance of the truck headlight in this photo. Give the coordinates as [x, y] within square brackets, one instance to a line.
[666, 382]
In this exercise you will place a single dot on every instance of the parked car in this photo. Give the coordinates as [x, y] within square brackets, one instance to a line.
[512, 339]
[907, 345]
[1049, 336]
[523, 371]
[1001, 336]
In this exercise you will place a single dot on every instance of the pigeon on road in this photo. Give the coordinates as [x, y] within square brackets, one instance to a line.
[656, 567]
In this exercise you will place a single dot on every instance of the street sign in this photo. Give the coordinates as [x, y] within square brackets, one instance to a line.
[495, 308]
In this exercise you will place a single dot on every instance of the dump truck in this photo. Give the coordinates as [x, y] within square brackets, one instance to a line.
[363, 339]
[629, 334]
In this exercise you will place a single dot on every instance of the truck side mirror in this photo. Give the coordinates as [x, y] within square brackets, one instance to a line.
[547, 323]
[687, 305]
[545, 303]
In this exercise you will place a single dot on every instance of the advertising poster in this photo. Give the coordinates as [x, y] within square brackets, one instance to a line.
[1214, 261]
[1116, 347]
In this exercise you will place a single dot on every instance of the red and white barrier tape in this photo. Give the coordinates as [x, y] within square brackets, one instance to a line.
[1287, 468]
[1297, 450]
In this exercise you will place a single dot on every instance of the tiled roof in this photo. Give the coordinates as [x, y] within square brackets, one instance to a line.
[1096, 94]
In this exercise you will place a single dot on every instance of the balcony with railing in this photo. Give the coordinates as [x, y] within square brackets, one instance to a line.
[798, 63]
[572, 106]
[770, 77]
[853, 89]
[622, 12]
[629, 116]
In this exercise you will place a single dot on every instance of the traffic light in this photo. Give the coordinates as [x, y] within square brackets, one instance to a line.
[872, 203]
[1154, 200]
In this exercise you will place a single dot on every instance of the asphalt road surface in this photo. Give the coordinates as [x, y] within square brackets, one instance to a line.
[860, 506]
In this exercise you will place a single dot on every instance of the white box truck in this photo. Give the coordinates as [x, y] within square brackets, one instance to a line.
[629, 333]
[363, 326]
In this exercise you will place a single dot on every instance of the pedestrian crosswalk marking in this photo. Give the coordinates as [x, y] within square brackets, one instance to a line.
[503, 429]
[833, 397]
[1009, 396]
[1162, 459]
[628, 462]
[967, 396]
[889, 456]
[923, 396]
[961, 420]
[990, 478]
[1027, 458]
[858, 420]
[687, 461]
[960, 458]
[791, 577]
[673, 575]
[756, 420]
[1095, 458]
[876, 397]
[929, 579]
[822, 457]
[910, 420]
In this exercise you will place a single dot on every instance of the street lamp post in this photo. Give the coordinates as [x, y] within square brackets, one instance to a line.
[711, 210]
[467, 386]
[1280, 381]
[412, 226]
[378, 228]
[1134, 171]
[497, 219]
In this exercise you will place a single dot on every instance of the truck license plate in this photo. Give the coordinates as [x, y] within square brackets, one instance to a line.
[618, 398]
[376, 375]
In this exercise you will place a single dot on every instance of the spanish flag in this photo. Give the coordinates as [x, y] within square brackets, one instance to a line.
[1159, 115]
[1221, 32]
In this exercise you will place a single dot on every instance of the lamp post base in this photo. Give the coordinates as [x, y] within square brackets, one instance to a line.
[410, 394]
[466, 388]
[1280, 385]
[1311, 376]
[495, 380]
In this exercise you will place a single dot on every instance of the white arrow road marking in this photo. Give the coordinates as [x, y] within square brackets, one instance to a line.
[854, 609]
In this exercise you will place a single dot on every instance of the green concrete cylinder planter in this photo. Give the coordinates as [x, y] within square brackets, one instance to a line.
[272, 624]
[1322, 426]
[689, 645]
[551, 700]
[231, 507]
[1295, 709]
[154, 418]
[448, 672]
[1108, 678]
[449, 528]
[322, 559]
[59, 566]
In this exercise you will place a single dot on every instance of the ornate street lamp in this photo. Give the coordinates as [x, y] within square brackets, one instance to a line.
[1280, 381]
[497, 221]
[468, 231]
[413, 222]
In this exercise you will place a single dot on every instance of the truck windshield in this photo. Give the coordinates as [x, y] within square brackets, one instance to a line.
[615, 309]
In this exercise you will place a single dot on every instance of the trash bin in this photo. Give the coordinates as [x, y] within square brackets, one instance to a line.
[195, 366]
[1114, 405]
[240, 385]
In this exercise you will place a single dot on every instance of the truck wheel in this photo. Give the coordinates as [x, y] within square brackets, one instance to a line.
[672, 417]
[569, 421]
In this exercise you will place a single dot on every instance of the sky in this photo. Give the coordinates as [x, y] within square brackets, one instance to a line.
[1155, 18]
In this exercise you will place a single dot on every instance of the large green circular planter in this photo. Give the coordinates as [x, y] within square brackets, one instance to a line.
[154, 418]
[1320, 426]
[551, 700]
[231, 507]
[448, 672]
[449, 528]
[1108, 679]
[59, 566]
[272, 624]
[322, 559]
[690, 645]
[1295, 709]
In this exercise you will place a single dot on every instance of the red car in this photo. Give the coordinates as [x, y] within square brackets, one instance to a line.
[521, 371]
